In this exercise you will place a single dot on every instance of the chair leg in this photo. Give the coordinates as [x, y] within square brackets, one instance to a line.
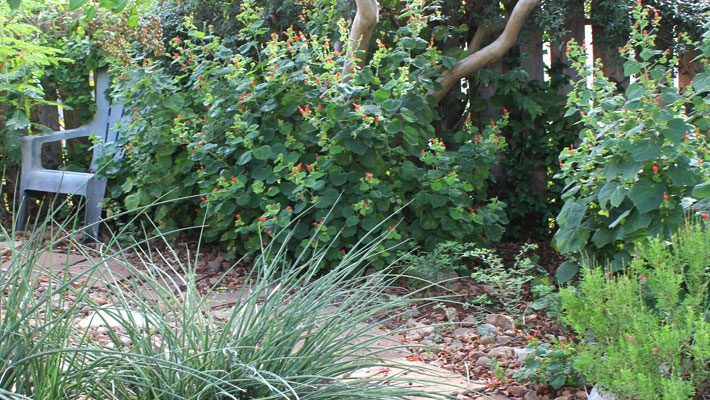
[21, 210]
[93, 208]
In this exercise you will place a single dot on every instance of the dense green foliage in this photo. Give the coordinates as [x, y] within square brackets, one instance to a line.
[269, 135]
[24, 56]
[642, 155]
[647, 331]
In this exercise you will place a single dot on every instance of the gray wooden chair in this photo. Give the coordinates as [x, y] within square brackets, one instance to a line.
[36, 178]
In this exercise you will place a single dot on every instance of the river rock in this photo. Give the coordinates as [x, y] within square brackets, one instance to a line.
[501, 321]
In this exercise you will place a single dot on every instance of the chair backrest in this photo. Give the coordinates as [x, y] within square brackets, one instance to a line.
[106, 122]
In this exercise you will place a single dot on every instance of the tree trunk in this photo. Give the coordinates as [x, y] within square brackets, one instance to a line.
[531, 57]
[574, 27]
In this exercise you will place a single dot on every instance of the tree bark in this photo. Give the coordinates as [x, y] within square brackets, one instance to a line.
[367, 16]
[494, 51]
[574, 27]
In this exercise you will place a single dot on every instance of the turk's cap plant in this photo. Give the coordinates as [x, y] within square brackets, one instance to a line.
[642, 157]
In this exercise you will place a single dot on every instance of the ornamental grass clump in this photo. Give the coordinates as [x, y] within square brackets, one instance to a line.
[290, 333]
[646, 333]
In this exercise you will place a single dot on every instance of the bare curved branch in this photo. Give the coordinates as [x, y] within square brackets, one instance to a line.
[367, 16]
[490, 53]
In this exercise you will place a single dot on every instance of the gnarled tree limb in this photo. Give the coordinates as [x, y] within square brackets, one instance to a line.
[478, 39]
[367, 16]
[494, 51]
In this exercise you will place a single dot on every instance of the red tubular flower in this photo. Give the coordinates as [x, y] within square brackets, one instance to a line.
[368, 175]
[642, 278]
[289, 209]
[203, 198]
[655, 169]
[262, 219]
[234, 179]
[665, 196]
[505, 111]
[238, 216]
[493, 123]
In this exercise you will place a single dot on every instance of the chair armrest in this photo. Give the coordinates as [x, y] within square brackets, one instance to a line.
[57, 136]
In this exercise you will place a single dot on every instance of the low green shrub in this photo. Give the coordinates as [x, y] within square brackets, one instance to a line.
[266, 136]
[505, 282]
[643, 154]
[646, 333]
[550, 364]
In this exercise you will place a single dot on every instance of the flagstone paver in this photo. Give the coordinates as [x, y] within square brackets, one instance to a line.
[425, 377]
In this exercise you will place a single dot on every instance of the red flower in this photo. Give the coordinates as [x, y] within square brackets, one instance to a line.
[377, 119]
[493, 123]
[342, 251]
[476, 138]
[203, 198]
[270, 73]
[665, 196]
[288, 208]
[389, 228]
[262, 219]
[234, 179]
[472, 210]
[270, 233]
[642, 278]
[238, 216]
[356, 106]
[705, 216]
[655, 169]
[645, 32]
[687, 137]
[562, 165]
[202, 167]
[568, 50]
[368, 175]
[505, 111]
